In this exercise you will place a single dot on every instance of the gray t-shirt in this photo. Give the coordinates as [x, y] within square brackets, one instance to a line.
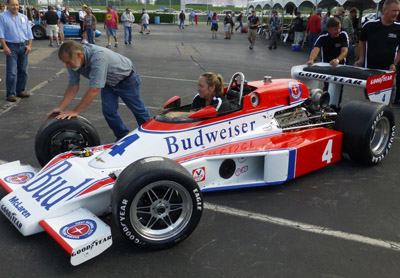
[102, 67]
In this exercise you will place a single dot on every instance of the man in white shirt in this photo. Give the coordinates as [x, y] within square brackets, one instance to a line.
[145, 22]
[128, 19]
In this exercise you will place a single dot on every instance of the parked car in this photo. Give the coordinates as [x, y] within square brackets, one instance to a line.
[70, 31]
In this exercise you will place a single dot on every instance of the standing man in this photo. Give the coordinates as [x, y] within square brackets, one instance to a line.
[228, 25]
[298, 29]
[16, 38]
[252, 21]
[111, 25]
[63, 20]
[128, 19]
[240, 20]
[333, 47]
[182, 20]
[2, 8]
[52, 23]
[209, 16]
[192, 14]
[81, 17]
[348, 27]
[382, 37]
[145, 22]
[314, 28]
[109, 73]
[274, 28]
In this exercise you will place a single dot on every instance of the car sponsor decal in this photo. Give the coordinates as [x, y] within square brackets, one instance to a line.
[19, 178]
[330, 78]
[11, 216]
[380, 82]
[79, 229]
[19, 206]
[241, 170]
[199, 174]
[294, 90]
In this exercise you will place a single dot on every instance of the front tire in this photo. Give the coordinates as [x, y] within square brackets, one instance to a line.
[368, 131]
[59, 136]
[38, 32]
[156, 203]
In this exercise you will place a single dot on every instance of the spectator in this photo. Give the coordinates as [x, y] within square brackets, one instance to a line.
[16, 38]
[209, 16]
[240, 20]
[228, 25]
[274, 28]
[298, 29]
[29, 13]
[52, 23]
[196, 18]
[214, 25]
[145, 22]
[63, 20]
[324, 21]
[182, 20]
[111, 26]
[81, 18]
[383, 38]
[90, 25]
[340, 13]
[128, 19]
[333, 47]
[36, 16]
[192, 14]
[109, 73]
[66, 13]
[2, 8]
[252, 21]
[314, 28]
[349, 29]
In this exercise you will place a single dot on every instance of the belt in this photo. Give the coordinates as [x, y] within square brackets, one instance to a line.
[129, 75]
[18, 43]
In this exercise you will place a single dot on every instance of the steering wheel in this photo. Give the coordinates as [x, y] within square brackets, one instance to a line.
[234, 81]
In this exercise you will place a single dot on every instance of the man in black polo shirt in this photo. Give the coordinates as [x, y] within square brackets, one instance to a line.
[52, 22]
[333, 46]
[253, 21]
[382, 37]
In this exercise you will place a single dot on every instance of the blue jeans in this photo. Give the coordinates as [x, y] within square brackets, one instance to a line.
[312, 38]
[129, 91]
[16, 69]
[90, 38]
[182, 24]
[240, 26]
[128, 34]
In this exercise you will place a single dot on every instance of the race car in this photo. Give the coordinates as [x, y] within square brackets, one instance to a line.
[272, 131]
[70, 31]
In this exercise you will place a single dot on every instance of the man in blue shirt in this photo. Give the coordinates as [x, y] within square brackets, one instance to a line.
[16, 38]
[108, 72]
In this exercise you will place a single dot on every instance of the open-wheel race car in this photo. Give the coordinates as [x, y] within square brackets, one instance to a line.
[152, 180]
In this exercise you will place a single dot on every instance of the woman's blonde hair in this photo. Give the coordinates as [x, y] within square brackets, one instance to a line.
[217, 80]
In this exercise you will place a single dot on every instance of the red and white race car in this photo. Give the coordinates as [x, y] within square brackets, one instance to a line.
[271, 131]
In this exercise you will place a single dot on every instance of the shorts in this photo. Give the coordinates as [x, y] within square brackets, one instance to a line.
[252, 34]
[228, 27]
[145, 26]
[214, 27]
[111, 31]
[52, 30]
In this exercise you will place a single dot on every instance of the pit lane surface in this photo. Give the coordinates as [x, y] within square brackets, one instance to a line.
[340, 221]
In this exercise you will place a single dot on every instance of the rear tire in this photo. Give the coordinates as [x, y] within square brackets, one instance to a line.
[59, 136]
[368, 130]
[156, 203]
[38, 32]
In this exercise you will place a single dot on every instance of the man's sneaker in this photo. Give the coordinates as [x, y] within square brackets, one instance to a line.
[126, 43]
[141, 32]
[50, 44]
[23, 95]
[116, 44]
[11, 99]
[251, 47]
[108, 45]
[84, 41]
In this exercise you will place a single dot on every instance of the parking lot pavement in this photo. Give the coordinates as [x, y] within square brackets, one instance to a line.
[340, 221]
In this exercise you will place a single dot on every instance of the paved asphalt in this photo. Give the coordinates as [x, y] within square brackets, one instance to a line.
[340, 221]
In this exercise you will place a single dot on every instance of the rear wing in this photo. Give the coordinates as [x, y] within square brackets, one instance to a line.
[377, 83]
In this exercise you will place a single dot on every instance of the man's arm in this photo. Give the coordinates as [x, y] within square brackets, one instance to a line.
[361, 56]
[117, 20]
[69, 96]
[393, 67]
[82, 105]
[342, 55]
[313, 55]
[6, 50]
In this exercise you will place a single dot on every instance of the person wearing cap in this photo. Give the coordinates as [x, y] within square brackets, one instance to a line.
[16, 38]
[314, 28]
[110, 74]
[274, 28]
[340, 13]
[252, 22]
[128, 19]
[81, 15]
[52, 23]
[63, 21]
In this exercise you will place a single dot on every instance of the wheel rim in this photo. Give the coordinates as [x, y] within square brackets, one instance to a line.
[380, 136]
[66, 140]
[38, 32]
[161, 210]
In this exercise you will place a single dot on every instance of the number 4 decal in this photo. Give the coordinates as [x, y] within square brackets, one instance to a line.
[327, 155]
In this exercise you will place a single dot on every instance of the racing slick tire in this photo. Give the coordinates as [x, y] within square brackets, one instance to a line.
[38, 32]
[156, 203]
[368, 130]
[59, 136]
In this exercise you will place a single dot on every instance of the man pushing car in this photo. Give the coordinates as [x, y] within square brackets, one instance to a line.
[109, 72]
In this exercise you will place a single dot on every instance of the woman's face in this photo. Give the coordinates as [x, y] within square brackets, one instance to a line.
[203, 89]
